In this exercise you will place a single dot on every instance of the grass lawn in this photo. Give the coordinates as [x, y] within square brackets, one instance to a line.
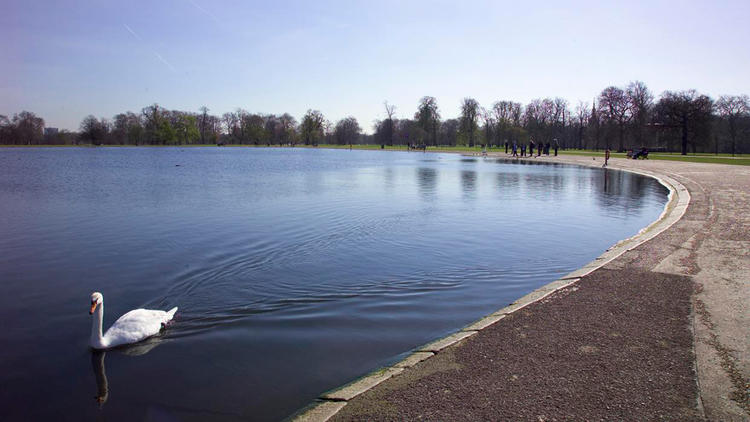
[742, 160]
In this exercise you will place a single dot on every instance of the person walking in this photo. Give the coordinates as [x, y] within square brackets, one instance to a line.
[606, 157]
[556, 147]
[531, 147]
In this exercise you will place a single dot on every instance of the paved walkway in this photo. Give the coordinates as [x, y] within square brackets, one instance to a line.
[623, 343]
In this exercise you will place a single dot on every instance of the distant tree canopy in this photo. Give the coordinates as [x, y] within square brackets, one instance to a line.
[311, 129]
[735, 111]
[624, 117]
[93, 130]
[468, 120]
[428, 119]
[689, 113]
[25, 128]
[347, 131]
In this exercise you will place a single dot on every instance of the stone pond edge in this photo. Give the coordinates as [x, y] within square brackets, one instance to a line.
[332, 401]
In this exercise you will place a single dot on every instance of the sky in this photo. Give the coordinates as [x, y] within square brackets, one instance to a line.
[66, 60]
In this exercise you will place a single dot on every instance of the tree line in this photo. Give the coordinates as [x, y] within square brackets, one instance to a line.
[619, 118]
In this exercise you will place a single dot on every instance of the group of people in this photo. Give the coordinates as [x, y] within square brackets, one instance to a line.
[540, 148]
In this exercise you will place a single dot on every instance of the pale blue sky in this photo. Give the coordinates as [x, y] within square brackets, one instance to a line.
[65, 61]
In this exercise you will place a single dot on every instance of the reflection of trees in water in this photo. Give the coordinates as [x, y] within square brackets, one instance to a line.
[388, 178]
[469, 183]
[427, 182]
[607, 186]
[638, 186]
[543, 185]
[507, 180]
[620, 189]
[536, 184]
[558, 185]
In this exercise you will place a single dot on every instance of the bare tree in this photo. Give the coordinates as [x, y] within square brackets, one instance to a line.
[6, 131]
[595, 125]
[489, 125]
[240, 116]
[93, 130]
[448, 132]
[733, 108]
[347, 131]
[582, 121]
[559, 117]
[120, 129]
[388, 128]
[231, 126]
[28, 128]
[508, 116]
[616, 109]
[641, 100]
[688, 111]
[272, 129]
[203, 123]
[428, 117]
[288, 123]
[539, 117]
[469, 114]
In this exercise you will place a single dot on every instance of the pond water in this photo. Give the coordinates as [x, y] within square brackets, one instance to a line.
[295, 270]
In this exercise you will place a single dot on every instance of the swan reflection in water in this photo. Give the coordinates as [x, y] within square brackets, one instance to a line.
[97, 363]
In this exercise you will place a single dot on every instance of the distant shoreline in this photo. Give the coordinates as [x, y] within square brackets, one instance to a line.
[738, 159]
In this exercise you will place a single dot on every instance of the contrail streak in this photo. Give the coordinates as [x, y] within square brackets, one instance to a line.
[163, 60]
[211, 15]
[158, 56]
[132, 32]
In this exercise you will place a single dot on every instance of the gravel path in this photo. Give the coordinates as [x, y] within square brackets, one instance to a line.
[612, 346]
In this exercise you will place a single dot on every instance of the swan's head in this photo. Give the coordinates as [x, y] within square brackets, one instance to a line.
[96, 300]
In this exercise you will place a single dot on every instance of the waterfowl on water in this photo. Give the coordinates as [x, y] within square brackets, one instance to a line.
[134, 326]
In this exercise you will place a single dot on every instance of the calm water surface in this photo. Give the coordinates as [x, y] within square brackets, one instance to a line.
[294, 270]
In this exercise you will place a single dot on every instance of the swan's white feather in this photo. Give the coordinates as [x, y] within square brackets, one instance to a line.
[135, 326]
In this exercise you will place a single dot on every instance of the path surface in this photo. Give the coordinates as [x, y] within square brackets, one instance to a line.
[662, 332]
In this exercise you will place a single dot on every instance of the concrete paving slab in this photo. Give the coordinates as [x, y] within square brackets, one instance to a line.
[484, 322]
[438, 345]
[413, 359]
[361, 385]
[320, 412]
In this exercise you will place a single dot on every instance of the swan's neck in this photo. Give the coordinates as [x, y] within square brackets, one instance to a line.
[96, 327]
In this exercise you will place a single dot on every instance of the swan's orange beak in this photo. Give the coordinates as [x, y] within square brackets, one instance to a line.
[93, 306]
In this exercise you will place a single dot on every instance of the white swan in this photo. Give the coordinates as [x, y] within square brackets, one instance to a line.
[132, 327]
